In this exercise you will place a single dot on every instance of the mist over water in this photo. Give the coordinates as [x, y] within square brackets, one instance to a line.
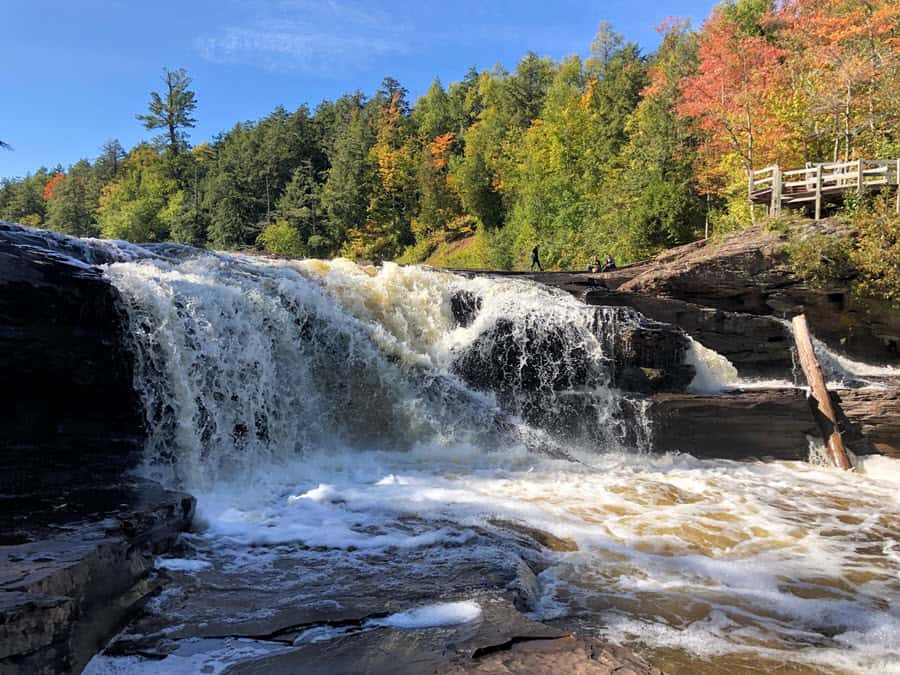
[361, 412]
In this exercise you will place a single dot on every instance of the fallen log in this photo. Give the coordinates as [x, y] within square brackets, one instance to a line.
[818, 392]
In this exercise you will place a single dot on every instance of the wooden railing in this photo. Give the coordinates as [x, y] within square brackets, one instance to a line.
[818, 183]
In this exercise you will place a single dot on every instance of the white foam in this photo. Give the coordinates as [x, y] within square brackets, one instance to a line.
[182, 564]
[322, 493]
[431, 616]
[880, 468]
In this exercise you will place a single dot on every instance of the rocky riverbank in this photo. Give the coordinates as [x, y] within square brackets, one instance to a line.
[76, 563]
[732, 295]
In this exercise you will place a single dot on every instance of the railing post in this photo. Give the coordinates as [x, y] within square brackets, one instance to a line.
[859, 176]
[775, 201]
[897, 207]
[818, 192]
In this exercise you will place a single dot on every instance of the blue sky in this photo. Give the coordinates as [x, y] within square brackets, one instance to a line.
[76, 73]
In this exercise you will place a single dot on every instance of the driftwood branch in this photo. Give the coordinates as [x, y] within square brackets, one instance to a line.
[818, 392]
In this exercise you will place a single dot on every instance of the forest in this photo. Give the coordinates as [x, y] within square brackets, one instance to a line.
[623, 152]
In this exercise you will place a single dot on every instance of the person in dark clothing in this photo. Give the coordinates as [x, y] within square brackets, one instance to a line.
[610, 264]
[535, 260]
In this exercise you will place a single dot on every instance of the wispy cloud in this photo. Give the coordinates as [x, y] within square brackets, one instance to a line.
[310, 35]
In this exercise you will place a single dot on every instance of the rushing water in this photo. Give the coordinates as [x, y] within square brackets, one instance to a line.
[338, 408]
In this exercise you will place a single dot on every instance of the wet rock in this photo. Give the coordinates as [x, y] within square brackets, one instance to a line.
[465, 307]
[875, 412]
[299, 589]
[80, 566]
[528, 366]
[546, 539]
[502, 641]
[68, 410]
[772, 423]
[30, 623]
[567, 654]
[758, 346]
[648, 355]
[767, 423]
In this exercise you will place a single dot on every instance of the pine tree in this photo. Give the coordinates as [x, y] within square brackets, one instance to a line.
[172, 110]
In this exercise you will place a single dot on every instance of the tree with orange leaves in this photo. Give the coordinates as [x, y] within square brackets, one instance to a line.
[845, 57]
[51, 184]
[737, 76]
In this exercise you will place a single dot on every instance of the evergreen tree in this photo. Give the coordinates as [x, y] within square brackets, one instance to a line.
[433, 115]
[659, 197]
[345, 195]
[172, 110]
[24, 202]
[300, 207]
[110, 161]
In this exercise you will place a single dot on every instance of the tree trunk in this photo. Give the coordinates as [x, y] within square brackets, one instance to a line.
[818, 392]
[847, 122]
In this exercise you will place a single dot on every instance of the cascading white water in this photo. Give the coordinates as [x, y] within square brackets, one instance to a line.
[243, 361]
[326, 409]
[714, 372]
[841, 370]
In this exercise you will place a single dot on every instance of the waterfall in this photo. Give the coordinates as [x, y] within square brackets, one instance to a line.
[714, 372]
[245, 360]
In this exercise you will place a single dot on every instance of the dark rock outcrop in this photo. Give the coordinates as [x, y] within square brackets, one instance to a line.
[75, 565]
[770, 423]
[545, 374]
[765, 423]
[643, 355]
[68, 408]
[465, 307]
[77, 538]
[716, 290]
[503, 641]
[875, 414]
[758, 346]
[278, 611]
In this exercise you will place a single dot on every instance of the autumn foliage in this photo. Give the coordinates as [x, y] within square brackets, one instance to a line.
[796, 81]
[623, 152]
[51, 184]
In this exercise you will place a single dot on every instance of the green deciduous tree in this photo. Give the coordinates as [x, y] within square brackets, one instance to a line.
[142, 204]
[72, 207]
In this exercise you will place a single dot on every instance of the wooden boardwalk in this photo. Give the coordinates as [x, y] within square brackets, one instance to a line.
[820, 184]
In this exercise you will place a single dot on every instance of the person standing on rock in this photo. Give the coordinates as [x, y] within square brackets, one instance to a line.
[535, 260]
